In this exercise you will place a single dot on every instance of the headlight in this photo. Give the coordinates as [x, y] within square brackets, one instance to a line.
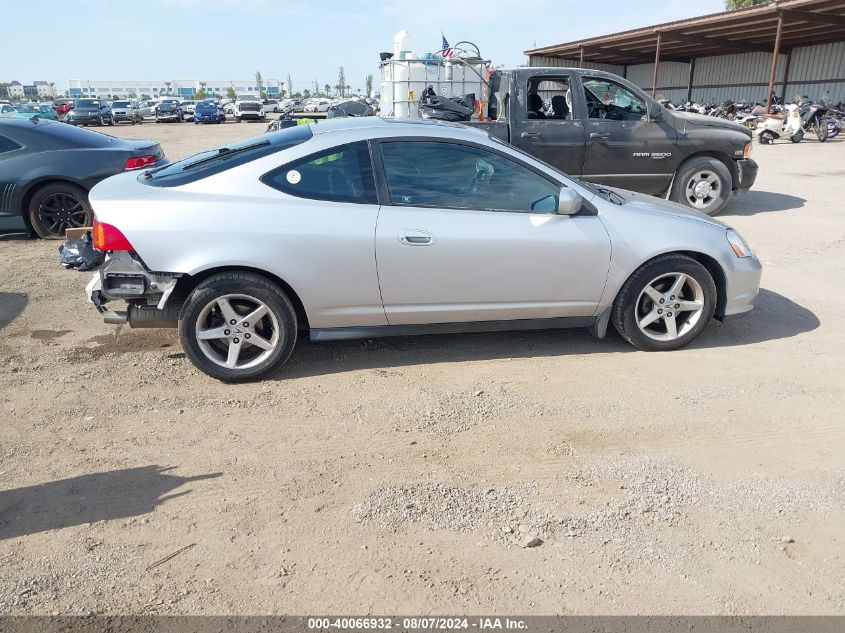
[739, 245]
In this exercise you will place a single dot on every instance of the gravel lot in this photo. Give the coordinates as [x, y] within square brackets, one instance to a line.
[410, 475]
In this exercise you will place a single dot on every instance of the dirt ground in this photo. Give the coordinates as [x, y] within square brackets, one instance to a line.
[405, 475]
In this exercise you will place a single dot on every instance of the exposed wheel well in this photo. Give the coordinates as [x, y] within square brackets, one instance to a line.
[187, 283]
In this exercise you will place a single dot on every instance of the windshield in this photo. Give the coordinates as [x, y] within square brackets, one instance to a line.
[120, 104]
[87, 103]
[206, 104]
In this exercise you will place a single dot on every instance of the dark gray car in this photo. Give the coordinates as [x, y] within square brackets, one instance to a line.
[90, 112]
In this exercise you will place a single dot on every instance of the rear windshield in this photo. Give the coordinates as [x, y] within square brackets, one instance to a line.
[214, 161]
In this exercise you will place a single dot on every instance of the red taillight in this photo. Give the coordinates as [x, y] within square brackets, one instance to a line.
[109, 238]
[139, 161]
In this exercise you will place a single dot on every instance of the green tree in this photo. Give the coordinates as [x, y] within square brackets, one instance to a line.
[259, 85]
[201, 94]
[368, 85]
[132, 95]
[306, 94]
[230, 93]
[730, 5]
[341, 82]
[328, 89]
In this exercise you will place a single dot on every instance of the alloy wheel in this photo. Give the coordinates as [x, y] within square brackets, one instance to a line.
[669, 306]
[61, 211]
[237, 331]
[703, 189]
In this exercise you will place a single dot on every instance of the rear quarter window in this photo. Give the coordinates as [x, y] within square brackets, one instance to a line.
[340, 174]
[7, 145]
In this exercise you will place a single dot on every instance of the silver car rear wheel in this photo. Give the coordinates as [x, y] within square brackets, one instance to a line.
[670, 306]
[237, 331]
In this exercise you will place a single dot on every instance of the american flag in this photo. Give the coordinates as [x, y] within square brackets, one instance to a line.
[447, 51]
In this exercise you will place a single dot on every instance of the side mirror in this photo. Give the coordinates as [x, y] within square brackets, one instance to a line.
[568, 202]
[655, 112]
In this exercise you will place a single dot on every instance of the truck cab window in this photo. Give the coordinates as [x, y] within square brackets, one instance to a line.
[608, 100]
[549, 98]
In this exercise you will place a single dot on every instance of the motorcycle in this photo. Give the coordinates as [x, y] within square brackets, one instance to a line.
[781, 125]
[813, 119]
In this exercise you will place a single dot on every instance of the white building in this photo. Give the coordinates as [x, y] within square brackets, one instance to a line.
[184, 88]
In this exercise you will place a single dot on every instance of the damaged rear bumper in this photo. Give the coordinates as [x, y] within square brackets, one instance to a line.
[148, 295]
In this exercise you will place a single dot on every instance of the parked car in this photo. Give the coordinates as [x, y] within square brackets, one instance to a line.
[126, 111]
[188, 109]
[62, 106]
[604, 129]
[7, 110]
[90, 112]
[228, 106]
[209, 111]
[29, 110]
[249, 107]
[464, 233]
[169, 110]
[317, 106]
[271, 105]
[145, 108]
[47, 169]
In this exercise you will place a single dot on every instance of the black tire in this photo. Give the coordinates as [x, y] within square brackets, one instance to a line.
[767, 138]
[102, 121]
[687, 177]
[58, 206]
[820, 128]
[797, 137]
[625, 309]
[250, 285]
[237, 119]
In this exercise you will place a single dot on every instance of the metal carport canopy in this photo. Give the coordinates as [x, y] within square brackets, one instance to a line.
[773, 28]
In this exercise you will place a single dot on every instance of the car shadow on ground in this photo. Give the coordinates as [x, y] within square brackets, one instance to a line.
[115, 494]
[755, 202]
[11, 306]
[774, 317]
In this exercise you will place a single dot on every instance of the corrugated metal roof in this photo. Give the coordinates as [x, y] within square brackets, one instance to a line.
[742, 30]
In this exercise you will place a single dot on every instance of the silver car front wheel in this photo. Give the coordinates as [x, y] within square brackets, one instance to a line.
[666, 303]
[670, 306]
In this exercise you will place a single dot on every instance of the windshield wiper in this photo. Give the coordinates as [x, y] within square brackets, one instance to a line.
[224, 151]
[609, 195]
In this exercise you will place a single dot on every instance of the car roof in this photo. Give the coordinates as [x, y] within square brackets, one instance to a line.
[395, 127]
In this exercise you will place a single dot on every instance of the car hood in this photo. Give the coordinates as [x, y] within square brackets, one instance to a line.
[642, 203]
[693, 119]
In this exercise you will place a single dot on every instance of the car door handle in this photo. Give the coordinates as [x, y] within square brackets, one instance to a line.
[413, 237]
[599, 135]
[530, 135]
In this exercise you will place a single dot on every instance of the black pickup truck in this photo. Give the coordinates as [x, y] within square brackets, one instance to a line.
[601, 128]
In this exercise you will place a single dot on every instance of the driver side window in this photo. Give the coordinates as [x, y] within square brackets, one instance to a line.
[607, 99]
[449, 175]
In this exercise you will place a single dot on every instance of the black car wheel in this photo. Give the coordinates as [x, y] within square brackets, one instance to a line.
[101, 122]
[57, 207]
[702, 183]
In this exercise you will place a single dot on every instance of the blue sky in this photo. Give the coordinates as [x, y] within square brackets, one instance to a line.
[228, 39]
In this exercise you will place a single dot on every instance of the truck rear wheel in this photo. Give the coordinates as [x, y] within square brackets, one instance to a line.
[702, 183]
